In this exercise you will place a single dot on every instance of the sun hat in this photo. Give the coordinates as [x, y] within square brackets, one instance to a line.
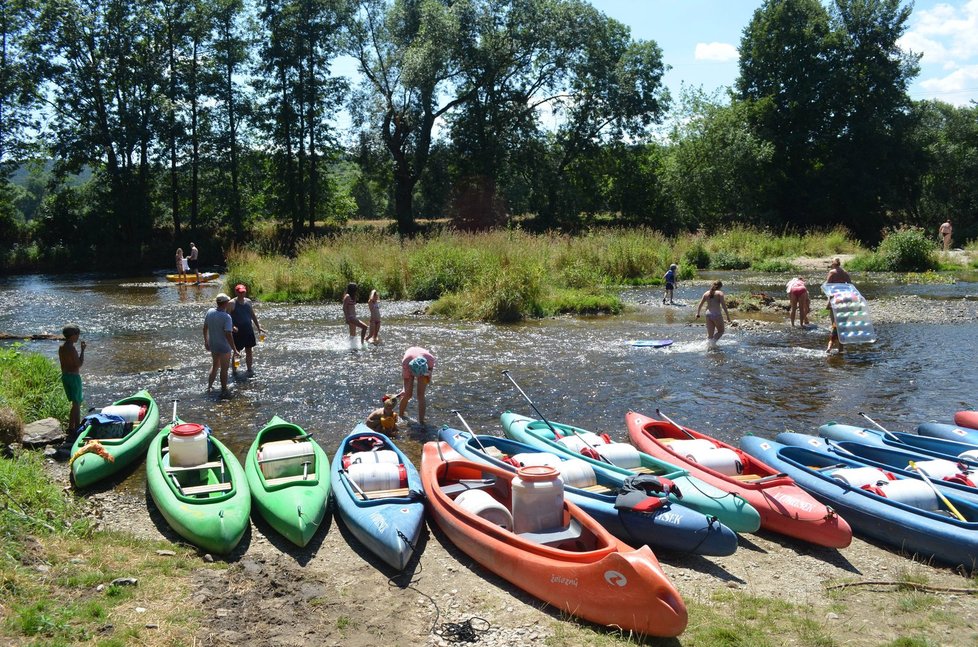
[240, 288]
[418, 366]
[223, 298]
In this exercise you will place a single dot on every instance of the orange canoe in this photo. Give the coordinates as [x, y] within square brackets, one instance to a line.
[579, 568]
[784, 507]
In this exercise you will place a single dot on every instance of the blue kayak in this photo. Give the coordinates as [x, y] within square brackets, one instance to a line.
[949, 432]
[378, 495]
[933, 447]
[622, 460]
[928, 533]
[669, 526]
[944, 474]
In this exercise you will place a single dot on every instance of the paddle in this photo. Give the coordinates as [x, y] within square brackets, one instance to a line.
[943, 498]
[471, 433]
[174, 419]
[674, 423]
[880, 427]
[356, 487]
[554, 431]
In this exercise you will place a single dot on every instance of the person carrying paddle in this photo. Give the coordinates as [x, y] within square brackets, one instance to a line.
[417, 363]
[219, 341]
[714, 301]
[71, 363]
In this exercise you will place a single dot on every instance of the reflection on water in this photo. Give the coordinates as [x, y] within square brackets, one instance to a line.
[143, 332]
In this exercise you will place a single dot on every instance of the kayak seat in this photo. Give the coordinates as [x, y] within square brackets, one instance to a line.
[598, 489]
[745, 477]
[642, 470]
[298, 478]
[383, 494]
[555, 536]
[454, 489]
[203, 466]
[206, 489]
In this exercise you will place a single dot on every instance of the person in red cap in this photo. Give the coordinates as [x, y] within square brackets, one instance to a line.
[242, 312]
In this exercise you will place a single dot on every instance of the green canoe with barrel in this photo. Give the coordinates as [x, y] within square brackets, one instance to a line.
[101, 450]
[207, 503]
[288, 474]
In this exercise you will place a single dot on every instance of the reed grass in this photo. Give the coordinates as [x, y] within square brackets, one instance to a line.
[30, 385]
[508, 275]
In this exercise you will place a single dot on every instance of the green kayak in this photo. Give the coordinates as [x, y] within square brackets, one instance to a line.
[288, 474]
[207, 503]
[732, 510]
[124, 444]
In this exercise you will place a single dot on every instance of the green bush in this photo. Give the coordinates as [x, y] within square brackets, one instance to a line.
[781, 265]
[697, 256]
[907, 250]
[724, 260]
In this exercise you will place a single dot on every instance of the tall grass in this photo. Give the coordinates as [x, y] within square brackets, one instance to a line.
[30, 385]
[507, 275]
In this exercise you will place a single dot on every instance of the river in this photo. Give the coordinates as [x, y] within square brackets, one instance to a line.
[144, 332]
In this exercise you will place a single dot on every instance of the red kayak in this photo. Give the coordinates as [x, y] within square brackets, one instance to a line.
[967, 419]
[784, 507]
[576, 565]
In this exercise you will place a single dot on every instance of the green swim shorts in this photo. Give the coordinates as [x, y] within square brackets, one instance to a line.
[73, 386]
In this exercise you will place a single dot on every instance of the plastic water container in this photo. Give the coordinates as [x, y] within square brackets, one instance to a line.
[538, 499]
[910, 491]
[577, 442]
[577, 473]
[481, 504]
[536, 458]
[285, 458]
[860, 476]
[379, 456]
[188, 444]
[372, 477]
[970, 455]
[686, 447]
[720, 459]
[620, 454]
[128, 412]
[937, 468]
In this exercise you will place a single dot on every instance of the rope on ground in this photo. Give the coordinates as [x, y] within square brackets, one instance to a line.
[467, 631]
[903, 585]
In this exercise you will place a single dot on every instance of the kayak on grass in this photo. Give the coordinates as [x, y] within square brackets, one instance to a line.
[575, 565]
[288, 475]
[784, 507]
[653, 519]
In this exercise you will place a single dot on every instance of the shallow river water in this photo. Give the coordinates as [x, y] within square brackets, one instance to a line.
[143, 332]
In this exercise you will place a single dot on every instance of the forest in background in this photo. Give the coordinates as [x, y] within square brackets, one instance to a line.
[131, 127]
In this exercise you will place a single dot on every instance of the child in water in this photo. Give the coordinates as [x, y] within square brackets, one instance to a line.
[670, 279]
[350, 312]
[373, 303]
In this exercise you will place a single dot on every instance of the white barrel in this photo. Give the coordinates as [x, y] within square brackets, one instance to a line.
[860, 476]
[536, 458]
[379, 456]
[538, 499]
[128, 412]
[187, 443]
[970, 455]
[285, 458]
[577, 442]
[720, 459]
[620, 454]
[912, 492]
[481, 504]
[937, 468]
[685, 447]
[577, 473]
[372, 477]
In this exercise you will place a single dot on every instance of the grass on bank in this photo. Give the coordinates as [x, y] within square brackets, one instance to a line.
[30, 389]
[509, 275]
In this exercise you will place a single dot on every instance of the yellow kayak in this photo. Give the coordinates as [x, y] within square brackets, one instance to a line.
[191, 277]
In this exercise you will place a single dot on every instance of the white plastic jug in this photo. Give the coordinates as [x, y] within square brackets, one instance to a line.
[372, 477]
[536, 458]
[620, 454]
[720, 459]
[538, 499]
[577, 473]
[379, 456]
[128, 412]
[286, 458]
[937, 468]
[577, 442]
[971, 455]
[686, 447]
[912, 492]
[481, 503]
[860, 476]
[188, 444]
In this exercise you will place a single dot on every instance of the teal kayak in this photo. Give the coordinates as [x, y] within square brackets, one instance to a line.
[103, 450]
[208, 504]
[731, 509]
[288, 475]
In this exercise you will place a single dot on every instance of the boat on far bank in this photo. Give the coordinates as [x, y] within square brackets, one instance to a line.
[191, 277]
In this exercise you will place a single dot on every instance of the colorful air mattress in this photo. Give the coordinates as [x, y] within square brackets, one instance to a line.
[851, 313]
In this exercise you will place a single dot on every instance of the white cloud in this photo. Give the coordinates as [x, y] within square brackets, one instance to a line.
[722, 52]
[945, 33]
[957, 88]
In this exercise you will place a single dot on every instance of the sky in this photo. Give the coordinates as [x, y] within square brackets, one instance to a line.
[699, 40]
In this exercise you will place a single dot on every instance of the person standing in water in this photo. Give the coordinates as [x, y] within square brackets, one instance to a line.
[716, 309]
[373, 303]
[799, 300]
[836, 275]
[181, 265]
[219, 341]
[350, 312]
[671, 281]
[417, 363]
[192, 261]
[71, 363]
[242, 312]
[945, 232]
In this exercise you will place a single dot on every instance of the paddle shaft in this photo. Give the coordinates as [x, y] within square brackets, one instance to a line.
[469, 429]
[674, 423]
[554, 431]
[943, 498]
[879, 426]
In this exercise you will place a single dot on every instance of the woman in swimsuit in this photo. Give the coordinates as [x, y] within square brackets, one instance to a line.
[713, 299]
